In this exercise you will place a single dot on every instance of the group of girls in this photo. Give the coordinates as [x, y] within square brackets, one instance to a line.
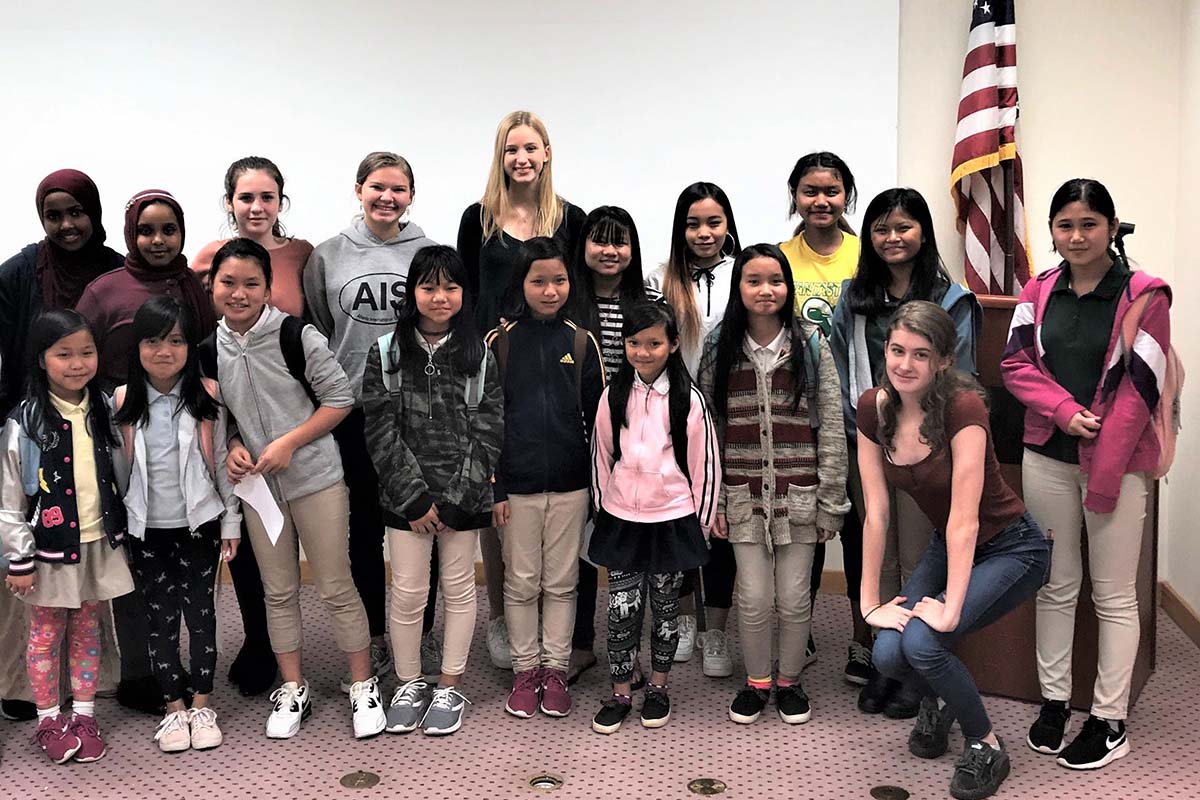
[833, 393]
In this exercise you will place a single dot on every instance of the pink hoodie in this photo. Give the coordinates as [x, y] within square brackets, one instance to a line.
[647, 485]
[1125, 398]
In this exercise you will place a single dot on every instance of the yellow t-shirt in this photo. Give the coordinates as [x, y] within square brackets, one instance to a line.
[83, 469]
[819, 278]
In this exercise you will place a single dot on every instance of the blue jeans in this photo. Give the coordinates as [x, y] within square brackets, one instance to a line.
[1008, 569]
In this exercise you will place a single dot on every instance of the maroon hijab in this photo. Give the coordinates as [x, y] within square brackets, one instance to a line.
[177, 272]
[64, 274]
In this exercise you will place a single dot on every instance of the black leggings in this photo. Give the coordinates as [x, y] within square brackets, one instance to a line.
[366, 526]
[176, 572]
[625, 611]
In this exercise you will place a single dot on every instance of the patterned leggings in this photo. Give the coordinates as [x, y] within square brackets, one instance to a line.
[175, 570]
[625, 620]
[47, 627]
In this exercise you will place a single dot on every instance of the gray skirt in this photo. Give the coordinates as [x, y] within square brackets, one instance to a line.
[101, 574]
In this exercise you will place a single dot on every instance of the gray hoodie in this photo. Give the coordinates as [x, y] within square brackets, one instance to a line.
[267, 402]
[353, 285]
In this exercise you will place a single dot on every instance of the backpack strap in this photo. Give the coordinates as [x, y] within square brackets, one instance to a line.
[474, 391]
[1130, 324]
[579, 353]
[502, 350]
[812, 371]
[291, 342]
[391, 380]
[207, 351]
[31, 462]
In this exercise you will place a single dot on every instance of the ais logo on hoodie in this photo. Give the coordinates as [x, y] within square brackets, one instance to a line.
[373, 299]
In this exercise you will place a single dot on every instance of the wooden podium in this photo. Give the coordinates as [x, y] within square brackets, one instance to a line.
[1002, 657]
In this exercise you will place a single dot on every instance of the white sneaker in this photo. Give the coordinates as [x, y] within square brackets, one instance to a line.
[717, 661]
[173, 734]
[367, 705]
[431, 656]
[687, 638]
[292, 706]
[499, 647]
[381, 663]
[205, 733]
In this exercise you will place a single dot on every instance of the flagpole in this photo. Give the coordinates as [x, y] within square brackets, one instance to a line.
[1010, 226]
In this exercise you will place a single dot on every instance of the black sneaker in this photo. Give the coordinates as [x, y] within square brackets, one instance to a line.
[656, 707]
[979, 771]
[1100, 742]
[748, 705]
[792, 704]
[858, 665]
[610, 716]
[930, 736]
[810, 652]
[904, 704]
[875, 695]
[1049, 733]
[18, 710]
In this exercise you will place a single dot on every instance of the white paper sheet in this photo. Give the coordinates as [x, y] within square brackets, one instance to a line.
[254, 491]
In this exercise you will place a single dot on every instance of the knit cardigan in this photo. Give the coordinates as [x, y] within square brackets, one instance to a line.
[1125, 398]
[776, 466]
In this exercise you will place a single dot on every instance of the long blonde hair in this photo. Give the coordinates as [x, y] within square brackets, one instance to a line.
[495, 202]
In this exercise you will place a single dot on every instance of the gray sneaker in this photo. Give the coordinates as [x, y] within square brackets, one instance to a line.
[408, 707]
[445, 712]
[431, 656]
[381, 664]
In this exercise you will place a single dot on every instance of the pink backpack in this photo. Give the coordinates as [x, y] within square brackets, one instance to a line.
[1165, 417]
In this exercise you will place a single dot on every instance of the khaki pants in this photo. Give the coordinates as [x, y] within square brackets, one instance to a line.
[541, 559]
[908, 533]
[1054, 493]
[319, 521]
[766, 583]
[410, 553]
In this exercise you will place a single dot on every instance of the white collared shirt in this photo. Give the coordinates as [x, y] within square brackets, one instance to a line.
[764, 355]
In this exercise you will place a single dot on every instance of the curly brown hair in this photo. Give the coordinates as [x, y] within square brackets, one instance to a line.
[932, 322]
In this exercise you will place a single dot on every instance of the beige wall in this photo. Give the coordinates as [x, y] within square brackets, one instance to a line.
[1109, 89]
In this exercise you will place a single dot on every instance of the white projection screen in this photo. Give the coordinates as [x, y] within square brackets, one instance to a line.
[640, 99]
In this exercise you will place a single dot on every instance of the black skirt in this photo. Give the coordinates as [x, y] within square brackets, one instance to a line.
[676, 545]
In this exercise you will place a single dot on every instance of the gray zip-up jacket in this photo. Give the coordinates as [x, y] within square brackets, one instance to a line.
[353, 285]
[267, 402]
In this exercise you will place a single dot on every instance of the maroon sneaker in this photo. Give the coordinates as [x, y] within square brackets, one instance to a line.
[523, 701]
[55, 737]
[556, 699]
[88, 732]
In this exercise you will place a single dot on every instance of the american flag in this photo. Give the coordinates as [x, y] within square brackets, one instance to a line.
[986, 136]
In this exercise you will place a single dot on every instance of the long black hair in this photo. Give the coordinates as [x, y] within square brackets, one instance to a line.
[732, 331]
[539, 248]
[605, 225]
[826, 161]
[47, 330]
[930, 279]
[639, 317]
[465, 347]
[156, 319]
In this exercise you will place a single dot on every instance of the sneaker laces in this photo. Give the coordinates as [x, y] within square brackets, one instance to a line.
[379, 656]
[975, 758]
[43, 732]
[553, 676]
[82, 723]
[715, 644]
[529, 679]
[860, 654]
[175, 721]
[286, 697]
[927, 719]
[443, 699]
[409, 692]
[363, 689]
[203, 717]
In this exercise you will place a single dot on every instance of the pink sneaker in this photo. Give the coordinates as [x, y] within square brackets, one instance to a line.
[55, 737]
[523, 701]
[92, 744]
[556, 699]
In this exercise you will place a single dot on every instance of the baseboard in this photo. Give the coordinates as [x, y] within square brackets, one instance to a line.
[1180, 611]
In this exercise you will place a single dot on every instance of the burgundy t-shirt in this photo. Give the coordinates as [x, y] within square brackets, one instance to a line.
[929, 481]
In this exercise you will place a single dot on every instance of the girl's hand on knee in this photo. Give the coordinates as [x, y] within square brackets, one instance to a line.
[229, 549]
[21, 584]
[933, 612]
[889, 615]
[501, 514]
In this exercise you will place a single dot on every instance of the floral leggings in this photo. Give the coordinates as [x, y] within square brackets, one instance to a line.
[47, 627]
